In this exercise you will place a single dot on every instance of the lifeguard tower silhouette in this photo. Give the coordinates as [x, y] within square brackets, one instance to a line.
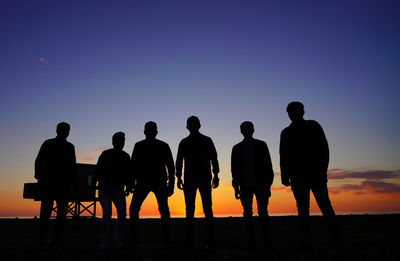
[83, 198]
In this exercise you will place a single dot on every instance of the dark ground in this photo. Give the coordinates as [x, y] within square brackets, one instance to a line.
[368, 237]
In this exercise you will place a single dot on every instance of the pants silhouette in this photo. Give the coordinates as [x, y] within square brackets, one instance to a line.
[262, 197]
[139, 195]
[190, 199]
[301, 193]
[106, 199]
[45, 212]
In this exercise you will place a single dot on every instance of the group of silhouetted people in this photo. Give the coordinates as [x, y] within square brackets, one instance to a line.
[304, 158]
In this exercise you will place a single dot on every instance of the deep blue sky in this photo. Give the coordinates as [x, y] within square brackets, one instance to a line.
[106, 66]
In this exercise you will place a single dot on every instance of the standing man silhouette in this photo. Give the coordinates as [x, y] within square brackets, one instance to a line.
[112, 173]
[252, 175]
[55, 169]
[304, 159]
[197, 152]
[150, 159]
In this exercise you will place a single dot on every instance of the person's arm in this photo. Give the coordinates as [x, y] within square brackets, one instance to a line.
[214, 164]
[133, 169]
[323, 147]
[268, 164]
[126, 168]
[179, 165]
[98, 176]
[73, 173]
[234, 171]
[171, 170]
[283, 150]
[40, 164]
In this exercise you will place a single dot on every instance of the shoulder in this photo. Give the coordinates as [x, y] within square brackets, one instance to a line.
[204, 137]
[314, 124]
[49, 142]
[184, 140]
[106, 152]
[237, 146]
[125, 154]
[70, 145]
[260, 142]
[162, 144]
[140, 144]
[286, 130]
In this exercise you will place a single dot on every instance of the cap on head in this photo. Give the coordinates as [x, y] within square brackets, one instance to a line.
[247, 129]
[118, 140]
[63, 130]
[150, 129]
[193, 123]
[295, 110]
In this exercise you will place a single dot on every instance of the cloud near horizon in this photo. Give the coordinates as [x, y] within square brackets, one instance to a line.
[363, 174]
[372, 181]
[89, 156]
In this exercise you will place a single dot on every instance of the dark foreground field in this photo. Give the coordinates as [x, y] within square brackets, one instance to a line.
[368, 237]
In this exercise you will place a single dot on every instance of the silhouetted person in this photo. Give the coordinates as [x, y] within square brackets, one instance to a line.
[304, 158]
[151, 158]
[112, 174]
[252, 175]
[197, 152]
[55, 168]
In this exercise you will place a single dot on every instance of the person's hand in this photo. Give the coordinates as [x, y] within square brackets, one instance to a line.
[170, 189]
[38, 175]
[237, 193]
[286, 182]
[180, 184]
[128, 189]
[215, 182]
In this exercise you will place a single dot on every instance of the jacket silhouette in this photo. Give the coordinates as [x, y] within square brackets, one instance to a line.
[264, 175]
[151, 158]
[197, 150]
[55, 168]
[304, 152]
[112, 170]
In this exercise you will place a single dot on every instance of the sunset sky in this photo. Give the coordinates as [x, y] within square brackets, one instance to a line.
[108, 66]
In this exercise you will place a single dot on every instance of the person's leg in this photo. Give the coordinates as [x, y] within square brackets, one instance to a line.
[262, 196]
[139, 195]
[301, 193]
[190, 198]
[105, 202]
[205, 193]
[119, 200]
[246, 198]
[46, 207]
[162, 200]
[320, 191]
[60, 221]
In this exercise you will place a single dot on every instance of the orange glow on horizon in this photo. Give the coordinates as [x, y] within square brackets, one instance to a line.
[224, 204]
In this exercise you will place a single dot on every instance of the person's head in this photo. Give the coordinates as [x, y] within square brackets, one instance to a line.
[295, 111]
[193, 124]
[63, 130]
[150, 129]
[247, 129]
[118, 140]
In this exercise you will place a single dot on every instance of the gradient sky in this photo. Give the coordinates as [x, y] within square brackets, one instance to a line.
[107, 66]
